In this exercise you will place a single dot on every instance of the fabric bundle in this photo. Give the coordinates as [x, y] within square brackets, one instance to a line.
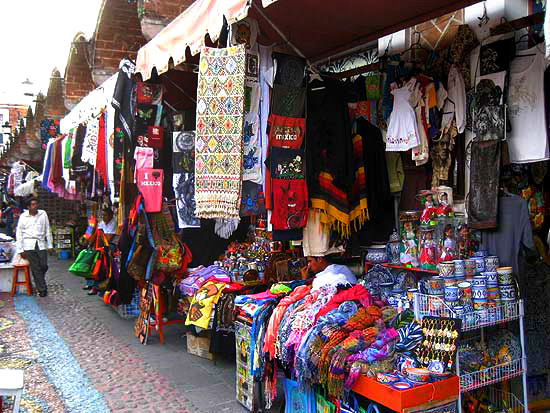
[355, 293]
[365, 317]
[275, 320]
[357, 341]
[219, 131]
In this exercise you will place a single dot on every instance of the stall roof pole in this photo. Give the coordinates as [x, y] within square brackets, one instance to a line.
[279, 32]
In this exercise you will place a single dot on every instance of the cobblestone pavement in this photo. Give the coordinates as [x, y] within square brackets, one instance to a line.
[80, 356]
[16, 353]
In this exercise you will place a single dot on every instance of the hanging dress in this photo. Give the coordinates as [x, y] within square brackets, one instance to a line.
[402, 132]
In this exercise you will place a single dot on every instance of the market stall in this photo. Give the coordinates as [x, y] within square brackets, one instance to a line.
[358, 240]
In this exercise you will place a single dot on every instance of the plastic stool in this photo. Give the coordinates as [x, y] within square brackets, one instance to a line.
[15, 283]
[11, 384]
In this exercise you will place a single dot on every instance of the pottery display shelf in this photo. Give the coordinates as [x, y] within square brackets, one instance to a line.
[425, 305]
[401, 267]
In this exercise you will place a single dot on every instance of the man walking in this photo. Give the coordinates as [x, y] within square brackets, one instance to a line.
[33, 239]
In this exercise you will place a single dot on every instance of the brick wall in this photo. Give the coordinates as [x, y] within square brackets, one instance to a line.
[117, 35]
[78, 73]
[54, 106]
[154, 15]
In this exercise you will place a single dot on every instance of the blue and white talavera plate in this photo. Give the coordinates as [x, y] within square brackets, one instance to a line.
[504, 342]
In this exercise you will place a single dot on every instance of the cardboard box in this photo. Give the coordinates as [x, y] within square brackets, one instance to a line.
[199, 345]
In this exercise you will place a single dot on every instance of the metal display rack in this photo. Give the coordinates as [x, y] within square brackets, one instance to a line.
[426, 305]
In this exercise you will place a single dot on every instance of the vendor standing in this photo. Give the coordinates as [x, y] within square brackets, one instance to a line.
[33, 239]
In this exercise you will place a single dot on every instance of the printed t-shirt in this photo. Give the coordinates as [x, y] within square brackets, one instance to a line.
[149, 182]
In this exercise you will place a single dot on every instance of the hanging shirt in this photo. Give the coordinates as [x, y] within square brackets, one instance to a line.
[528, 141]
[457, 94]
[149, 182]
[144, 158]
[33, 229]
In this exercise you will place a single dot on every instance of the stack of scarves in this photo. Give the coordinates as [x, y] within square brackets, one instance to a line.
[311, 346]
[380, 349]
[365, 317]
[357, 341]
[355, 293]
[277, 316]
[305, 320]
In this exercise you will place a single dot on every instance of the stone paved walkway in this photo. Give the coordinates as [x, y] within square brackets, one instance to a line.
[80, 356]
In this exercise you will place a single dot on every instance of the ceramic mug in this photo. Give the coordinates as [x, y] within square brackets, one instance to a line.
[459, 266]
[507, 292]
[447, 269]
[479, 281]
[480, 264]
[491, 277]
[451, 293]
[435, 285]
[459, 311]
[505, 276]
[479, 293]
[481, 315]
[493, 294]
[465, 291]
[491, 263]
[469, 267]
[481, 253]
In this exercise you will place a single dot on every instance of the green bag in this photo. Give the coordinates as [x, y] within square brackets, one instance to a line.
[84, 263]
[323, 405]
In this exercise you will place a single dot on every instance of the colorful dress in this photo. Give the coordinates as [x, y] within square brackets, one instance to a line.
[402, 132]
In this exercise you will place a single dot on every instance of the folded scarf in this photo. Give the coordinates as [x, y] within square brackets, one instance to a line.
[355, 293]
[308, 352]
[276, 317]
[357, 341]
[381, 348]
[365, 317]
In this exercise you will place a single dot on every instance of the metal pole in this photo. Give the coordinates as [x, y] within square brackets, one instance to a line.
[459, 389]
[523, 357]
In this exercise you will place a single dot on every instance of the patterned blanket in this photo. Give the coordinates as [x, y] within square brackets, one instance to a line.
[218, 141]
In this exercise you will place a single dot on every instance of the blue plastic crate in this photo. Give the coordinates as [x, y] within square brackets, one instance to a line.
[131, 310]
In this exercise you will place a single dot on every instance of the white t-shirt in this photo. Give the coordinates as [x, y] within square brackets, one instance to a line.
[334, 274]
[527, 142]
[109, 228]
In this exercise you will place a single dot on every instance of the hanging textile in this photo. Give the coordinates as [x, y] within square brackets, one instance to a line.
[183, 182]
[124, 121]
[484, 182]
[218, 142]
[89, 148]
[101, 155]
[252, 149]
[149, 182]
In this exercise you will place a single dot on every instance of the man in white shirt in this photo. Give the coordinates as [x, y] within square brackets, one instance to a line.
[108, 225]
[33, 239]
[327, 273]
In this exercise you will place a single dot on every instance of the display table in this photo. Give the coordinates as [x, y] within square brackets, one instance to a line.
[401, 401]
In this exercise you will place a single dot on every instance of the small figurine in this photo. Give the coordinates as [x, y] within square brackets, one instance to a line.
[428, 252]
[429, 210]
[444, 209]
[466, 246]
[409, 253]
[448, 250]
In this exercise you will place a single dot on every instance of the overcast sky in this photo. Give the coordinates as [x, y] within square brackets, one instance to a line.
[36, 36]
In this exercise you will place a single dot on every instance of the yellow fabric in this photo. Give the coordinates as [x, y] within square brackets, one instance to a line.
[201, 307]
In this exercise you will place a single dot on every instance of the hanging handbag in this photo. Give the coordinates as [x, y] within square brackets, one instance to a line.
[100, 262]
[83, 265]
[142, 253]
